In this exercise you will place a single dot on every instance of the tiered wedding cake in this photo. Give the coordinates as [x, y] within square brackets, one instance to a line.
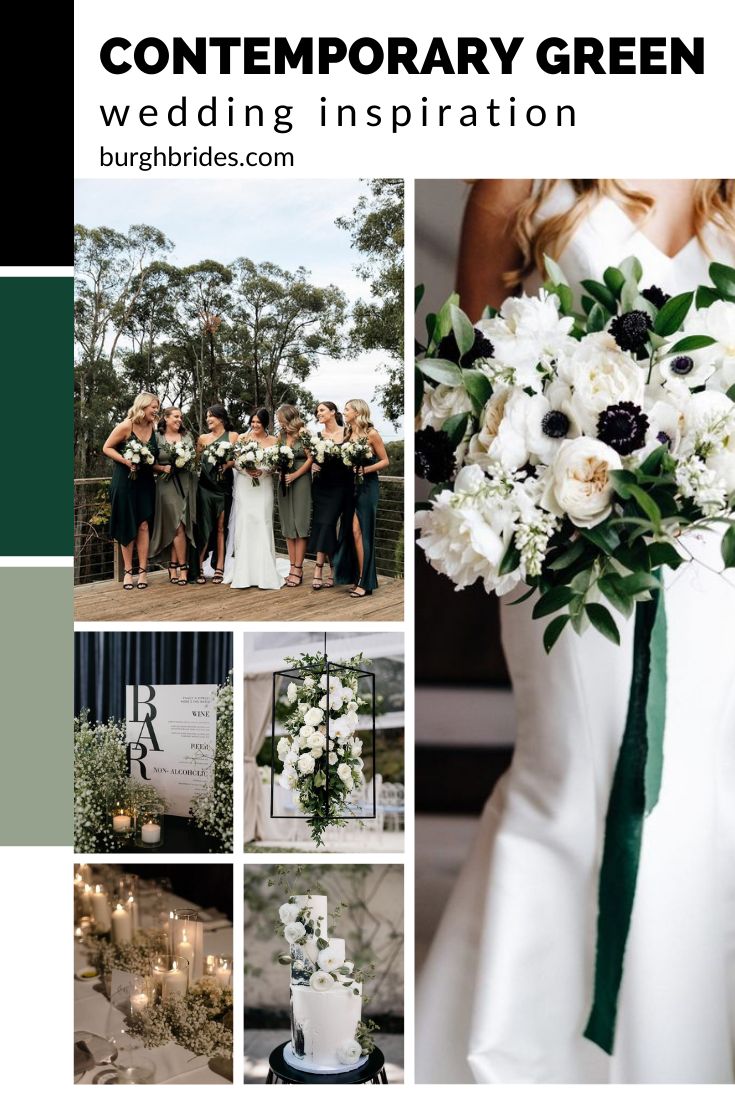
[326, 1000]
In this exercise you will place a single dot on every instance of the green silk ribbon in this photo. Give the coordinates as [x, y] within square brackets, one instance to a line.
[634, 794]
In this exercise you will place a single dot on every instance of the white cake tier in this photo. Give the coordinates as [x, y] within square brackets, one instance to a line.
[317, 905]
[323, 1022]
[302, 1064]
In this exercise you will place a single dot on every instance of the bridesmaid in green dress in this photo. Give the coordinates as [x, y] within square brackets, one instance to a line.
[355, 561]
[294, 493]
[176, 499]
[132, 487]
[214, 495]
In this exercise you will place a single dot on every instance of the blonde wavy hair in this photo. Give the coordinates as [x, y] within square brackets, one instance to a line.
[136, 413]
[714, 201]
[362, 424]
[290, 417]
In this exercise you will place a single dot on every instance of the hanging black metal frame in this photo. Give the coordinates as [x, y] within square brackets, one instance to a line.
[297, 675]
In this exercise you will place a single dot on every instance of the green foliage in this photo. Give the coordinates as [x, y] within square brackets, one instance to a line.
[376, 228]
[212, 808]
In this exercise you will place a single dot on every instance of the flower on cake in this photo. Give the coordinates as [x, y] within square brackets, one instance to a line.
[321, 981]
[288, 912]
[350, 1052]
[330, 958]
[294, 932]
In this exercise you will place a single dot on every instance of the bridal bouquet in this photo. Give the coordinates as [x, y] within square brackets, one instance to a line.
[137, 453]
[571, 450]
[321, 449]
[355, 454]
[216, 455]
[184, 456]
[279, 458]
[320, 750]
[249, 456]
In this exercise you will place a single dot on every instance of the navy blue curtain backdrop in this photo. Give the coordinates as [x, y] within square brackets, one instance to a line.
[106, 661]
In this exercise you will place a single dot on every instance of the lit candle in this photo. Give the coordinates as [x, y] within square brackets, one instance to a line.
[150, 834]
[85, 873]
[223, 973]
[121, 823]
[100, 910]
[185, 949]
[138, 1002]
[122, 925]
[132, 908]
[209, 966]
[174, 982]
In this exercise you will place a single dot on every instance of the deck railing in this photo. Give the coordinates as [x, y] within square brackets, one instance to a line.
[97, 556]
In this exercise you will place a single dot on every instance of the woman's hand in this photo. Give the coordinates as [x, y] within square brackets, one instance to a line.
[257, 473]
[316, 467]
[291, 478]
[164, 469]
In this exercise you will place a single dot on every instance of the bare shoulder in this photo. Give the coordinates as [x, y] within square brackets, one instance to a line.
[233, 437]
[499, 196]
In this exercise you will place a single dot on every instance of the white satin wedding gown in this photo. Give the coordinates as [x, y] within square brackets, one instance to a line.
[506, 990]
[250, 559]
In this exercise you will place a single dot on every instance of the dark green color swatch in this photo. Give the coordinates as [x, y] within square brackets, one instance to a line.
[37, 325]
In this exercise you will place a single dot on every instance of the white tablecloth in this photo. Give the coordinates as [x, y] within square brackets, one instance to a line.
[93, 1012]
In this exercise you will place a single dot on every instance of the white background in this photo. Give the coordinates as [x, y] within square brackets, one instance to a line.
[631, 126]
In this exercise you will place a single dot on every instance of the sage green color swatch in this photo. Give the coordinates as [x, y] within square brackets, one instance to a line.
[37, 687]
[37, 317]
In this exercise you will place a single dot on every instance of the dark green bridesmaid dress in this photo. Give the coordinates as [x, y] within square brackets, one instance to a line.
[132, 500]
[214, 496]
[363, 503]
[176, 501]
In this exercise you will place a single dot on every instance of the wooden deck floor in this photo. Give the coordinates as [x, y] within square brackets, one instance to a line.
[161, 601]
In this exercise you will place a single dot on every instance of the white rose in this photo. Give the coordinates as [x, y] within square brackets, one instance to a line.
[344, 772]
[330, 958]
[288, 912]
[283, 747]
[349, 1053]
[303, 708]
[356, 746]
[332, 758]
[347, 692]
[341, 727]
[308, 682]
[291, 691]
[441, 402]
[321, 981]
[294, 931]
[306, 764]
[600, 375]
[306, 731]
[314, 717]
[578, 482]
[323, 703]
[352, 706]
[316, 741]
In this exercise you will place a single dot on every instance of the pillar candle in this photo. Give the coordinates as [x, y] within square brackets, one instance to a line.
[132, 908]
[122, 925]
[185, 949]
[100, 910]
[174, 982]
[139, 1002]
[150, 834]
[223, 975]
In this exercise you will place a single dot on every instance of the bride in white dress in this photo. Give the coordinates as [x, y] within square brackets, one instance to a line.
[506, 991]
[250, 559]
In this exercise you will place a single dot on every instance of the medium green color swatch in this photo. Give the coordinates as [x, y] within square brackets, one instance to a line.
[37, 679]
[36, 313]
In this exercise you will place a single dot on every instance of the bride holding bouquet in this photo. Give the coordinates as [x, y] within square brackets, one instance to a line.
[591, 934]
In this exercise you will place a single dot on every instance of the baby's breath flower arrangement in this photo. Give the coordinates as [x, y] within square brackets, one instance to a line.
[200, 1021]
[212, 808]
[100, 775]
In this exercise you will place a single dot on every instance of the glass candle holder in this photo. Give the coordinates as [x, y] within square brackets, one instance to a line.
[122, 819]
[169, 976]
[142, 994]
[210, 963]
[149, 827]
[186, 939]
[223, 971]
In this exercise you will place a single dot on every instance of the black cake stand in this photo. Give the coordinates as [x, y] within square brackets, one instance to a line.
[373, 1071]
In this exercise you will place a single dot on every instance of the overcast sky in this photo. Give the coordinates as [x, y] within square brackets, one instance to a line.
[289, 222]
